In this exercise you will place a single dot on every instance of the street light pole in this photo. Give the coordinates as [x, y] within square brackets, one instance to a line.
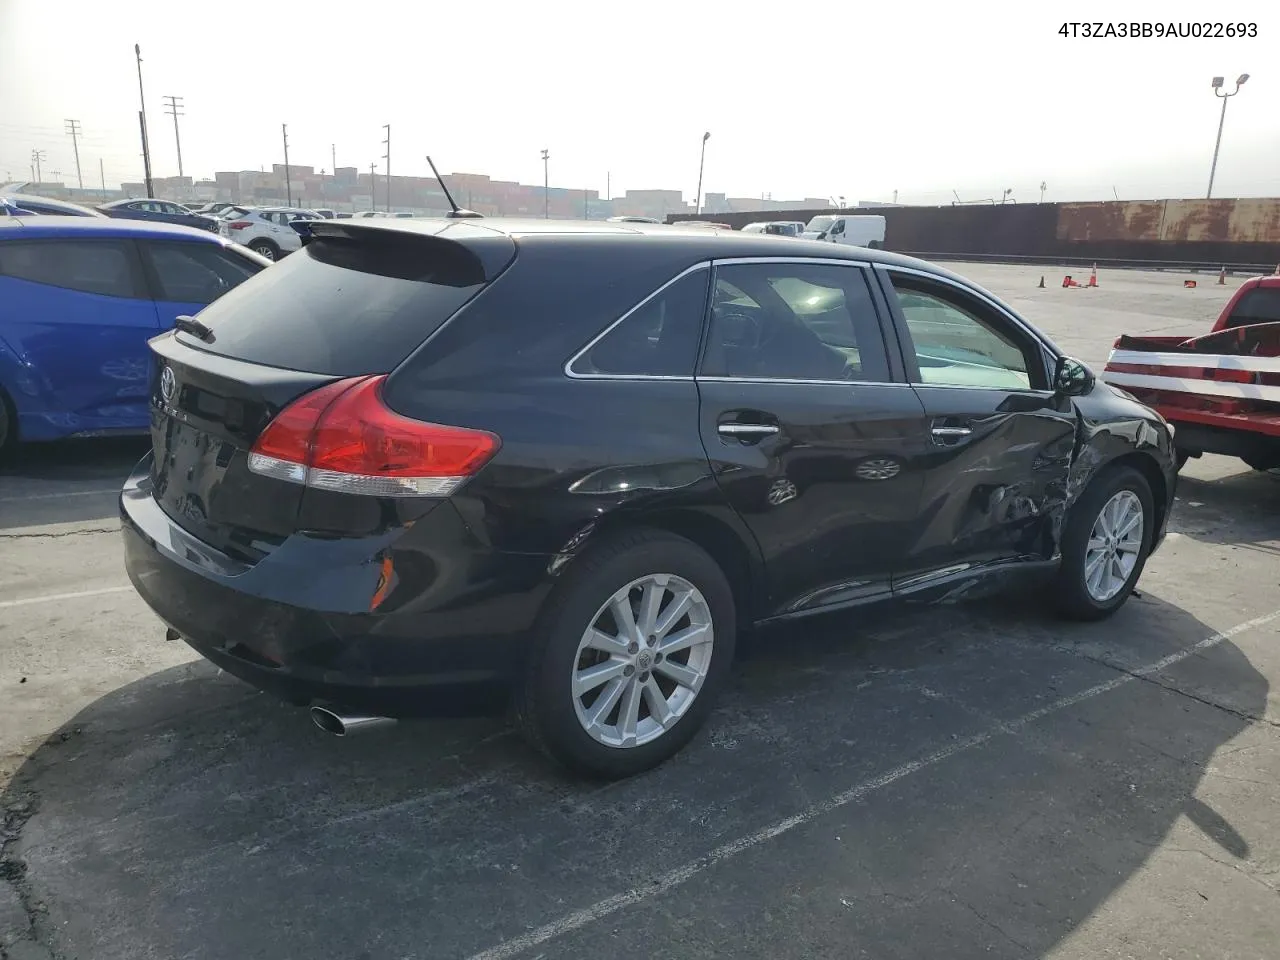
[1218, 92]
[701, 163]
[142, 119]
[546, 186]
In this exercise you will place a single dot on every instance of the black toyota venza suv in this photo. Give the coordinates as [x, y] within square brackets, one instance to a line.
[441, 466]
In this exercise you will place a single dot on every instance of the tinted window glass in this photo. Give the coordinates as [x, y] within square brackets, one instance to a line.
[959, 342]
[794, 321]
[1259, 305]
[659, 339]
[342, 307]
[196, 272]
[104, 267]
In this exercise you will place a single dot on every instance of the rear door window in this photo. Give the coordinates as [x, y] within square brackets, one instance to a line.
[794, 321]
[195, 272]
[107, 268]
[659, 338]
[343, 307]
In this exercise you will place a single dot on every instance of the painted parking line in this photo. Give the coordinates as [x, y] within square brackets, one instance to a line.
[681, 874]
[54, 597]
[58, 496]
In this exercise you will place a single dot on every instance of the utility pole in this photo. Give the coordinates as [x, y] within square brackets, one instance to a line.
[586, 204]
[288, 186]
[608, 185]
[701, 163]
[333, 155]
[387, 157]
[373, 185]
[174, 109]
[546, 186]
[36, 157]
[102, 173]
[142, 122]
[73, 128]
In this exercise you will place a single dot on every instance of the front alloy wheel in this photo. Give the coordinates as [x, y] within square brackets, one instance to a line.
[1105, 542]
[642, 661]
[1115, 546]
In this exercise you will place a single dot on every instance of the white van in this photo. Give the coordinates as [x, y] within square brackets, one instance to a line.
[865, 231]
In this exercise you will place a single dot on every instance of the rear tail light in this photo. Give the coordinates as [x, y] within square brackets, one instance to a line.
[342, 437]
[240, 224]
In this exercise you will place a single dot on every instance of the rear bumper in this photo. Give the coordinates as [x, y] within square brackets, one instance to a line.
[309, 621]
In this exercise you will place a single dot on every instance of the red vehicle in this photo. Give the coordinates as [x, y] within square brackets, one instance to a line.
[1220, 392]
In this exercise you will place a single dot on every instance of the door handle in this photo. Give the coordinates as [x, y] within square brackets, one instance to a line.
[746, 430]
[951, 433]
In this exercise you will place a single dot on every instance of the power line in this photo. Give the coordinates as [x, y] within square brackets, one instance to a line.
[174, 109]
[73, 128]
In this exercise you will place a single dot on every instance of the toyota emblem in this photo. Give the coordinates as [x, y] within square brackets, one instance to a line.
[168, 385]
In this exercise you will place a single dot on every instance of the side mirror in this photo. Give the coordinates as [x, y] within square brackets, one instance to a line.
[1071, 378]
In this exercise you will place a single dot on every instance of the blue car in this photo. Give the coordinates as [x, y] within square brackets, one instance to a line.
[79, 299]
[43, 206]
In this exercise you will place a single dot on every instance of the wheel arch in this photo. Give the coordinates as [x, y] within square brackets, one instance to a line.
[735, 557]
[1146, 465]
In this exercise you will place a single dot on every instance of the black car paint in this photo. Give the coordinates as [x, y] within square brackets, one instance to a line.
[120, 209]
[410, 606]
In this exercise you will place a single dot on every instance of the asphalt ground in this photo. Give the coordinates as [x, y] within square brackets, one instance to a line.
[974, 781]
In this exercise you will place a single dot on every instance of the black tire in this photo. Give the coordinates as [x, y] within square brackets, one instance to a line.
[1261, 463]
[1072, 596]
[8, 427]
[544, 704]
[265, 248]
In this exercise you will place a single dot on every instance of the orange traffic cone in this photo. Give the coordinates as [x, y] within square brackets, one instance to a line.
[1093, 276]
[1188, 283]
[1041, 287]
[1222, 277]
[1068, 282]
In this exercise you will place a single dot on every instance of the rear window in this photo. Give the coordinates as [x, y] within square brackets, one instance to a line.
[343, 308]
[1259, 305]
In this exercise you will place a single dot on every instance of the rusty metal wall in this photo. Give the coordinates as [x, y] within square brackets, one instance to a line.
[1229, 231]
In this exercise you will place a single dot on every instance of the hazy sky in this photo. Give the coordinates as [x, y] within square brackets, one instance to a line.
[802, 98]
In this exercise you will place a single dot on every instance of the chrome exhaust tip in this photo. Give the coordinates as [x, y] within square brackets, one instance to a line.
[341, 724]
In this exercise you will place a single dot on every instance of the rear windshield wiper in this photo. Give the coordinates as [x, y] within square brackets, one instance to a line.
[196, 328]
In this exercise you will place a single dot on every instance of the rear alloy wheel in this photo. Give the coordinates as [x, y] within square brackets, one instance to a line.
[1105, 543]
[643, 660]
[264, 248]
[632, 655]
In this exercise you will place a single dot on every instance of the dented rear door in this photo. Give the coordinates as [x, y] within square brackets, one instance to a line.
[998, 442]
